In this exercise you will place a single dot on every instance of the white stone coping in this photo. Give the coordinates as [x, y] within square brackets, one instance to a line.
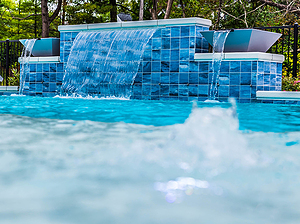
[277, 95]
[241, 56]
[9, 88]
[52, 59]
[137, 24]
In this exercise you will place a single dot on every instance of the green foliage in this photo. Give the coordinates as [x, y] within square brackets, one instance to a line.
[14, 80]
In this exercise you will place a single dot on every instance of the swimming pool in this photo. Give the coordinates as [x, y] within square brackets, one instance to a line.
[67, 160]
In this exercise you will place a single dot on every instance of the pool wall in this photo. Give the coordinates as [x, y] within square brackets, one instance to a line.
[171, 68]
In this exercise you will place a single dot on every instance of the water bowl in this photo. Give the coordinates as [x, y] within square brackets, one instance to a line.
[245, 40]
[45, 47]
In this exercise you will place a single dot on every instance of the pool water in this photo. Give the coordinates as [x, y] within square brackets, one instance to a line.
[70, 160]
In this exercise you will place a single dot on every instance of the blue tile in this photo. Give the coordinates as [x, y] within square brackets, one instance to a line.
[246, 78]
[267, 67]
[165, 78]
[279, 68]
[68, 36]
[146, 89]
[155, 78]
[260, 79]
[224, 79]
[183, 90]
[273, 80]
[273, 67]
[175, 31]
[224, 66]
[38, 87]
[235, 66]
[244, 101]
[174, 77]
[173, 90]
[39, 67]
[39, 77]
[165, 66]
[149, 45]
[166, 43]
[192, 31]
[183, 78]
[234, 79]
[184, 66]
[74, 35]
[164, 90]
[32, 77]
[137, 89]
[254, 66]
[155, 90]
[234, 91]
[157, 33]
[32, 67]
[193, 78]
[166, 32]
[245, 92]
[147, 55]
[60, 67]
[253, 78]
[146, 66]
[138, 78]
[184, 42]
[203, 66]
[52, 87]
[199, 42]
[260, 67]
[246, 66]
[154, 97]
[223, 91]
[192, 42]
[46, 87]
[156, 55]
[203, 90]
[165, 55]
[62, 37]
[46, 77]
[193, 66]
[155, 66]
[253, 92]
[183, 98]
[184, 31]
[203, 78]
[156, 43]
[193, 90]
[146, 78]
[260, 88]
[184, 54]
[174, 43]
[46, 67]
[174, 66]
[52, 77]
[174, 55]
[266, 79]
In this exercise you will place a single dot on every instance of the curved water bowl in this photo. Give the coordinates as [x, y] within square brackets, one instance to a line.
[45, 47]
[245, 40]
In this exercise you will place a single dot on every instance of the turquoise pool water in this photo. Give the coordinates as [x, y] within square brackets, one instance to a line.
[66, 160]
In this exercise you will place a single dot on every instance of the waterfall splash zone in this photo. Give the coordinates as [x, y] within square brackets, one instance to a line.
[105, 63]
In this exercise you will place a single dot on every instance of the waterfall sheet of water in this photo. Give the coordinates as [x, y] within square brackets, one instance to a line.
[105, 63]
[218, 48]
[26, 53]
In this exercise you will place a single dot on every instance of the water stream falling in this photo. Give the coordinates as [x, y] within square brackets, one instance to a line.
[105, 63]
[26, 53]
[218, 48]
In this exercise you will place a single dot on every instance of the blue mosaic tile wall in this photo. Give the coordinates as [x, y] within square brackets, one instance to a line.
[168, 70]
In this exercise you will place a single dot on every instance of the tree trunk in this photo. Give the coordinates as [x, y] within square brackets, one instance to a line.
[141, 14]
[183, 9]
[113, 11]
[45, 19]
[64, 3]
[154, 9]
[168, 11]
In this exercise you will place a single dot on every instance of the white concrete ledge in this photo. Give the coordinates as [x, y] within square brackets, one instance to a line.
[9, 88]
[241, 56]
[52, 59]
[137, 24]
[277, 95]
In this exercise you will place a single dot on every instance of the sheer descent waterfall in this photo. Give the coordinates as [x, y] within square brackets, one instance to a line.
[26, 53]
[218, 48]
[105, 63]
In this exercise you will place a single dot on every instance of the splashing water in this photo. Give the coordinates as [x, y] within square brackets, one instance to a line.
[26, 53]
[105, 63]
[218, 48]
